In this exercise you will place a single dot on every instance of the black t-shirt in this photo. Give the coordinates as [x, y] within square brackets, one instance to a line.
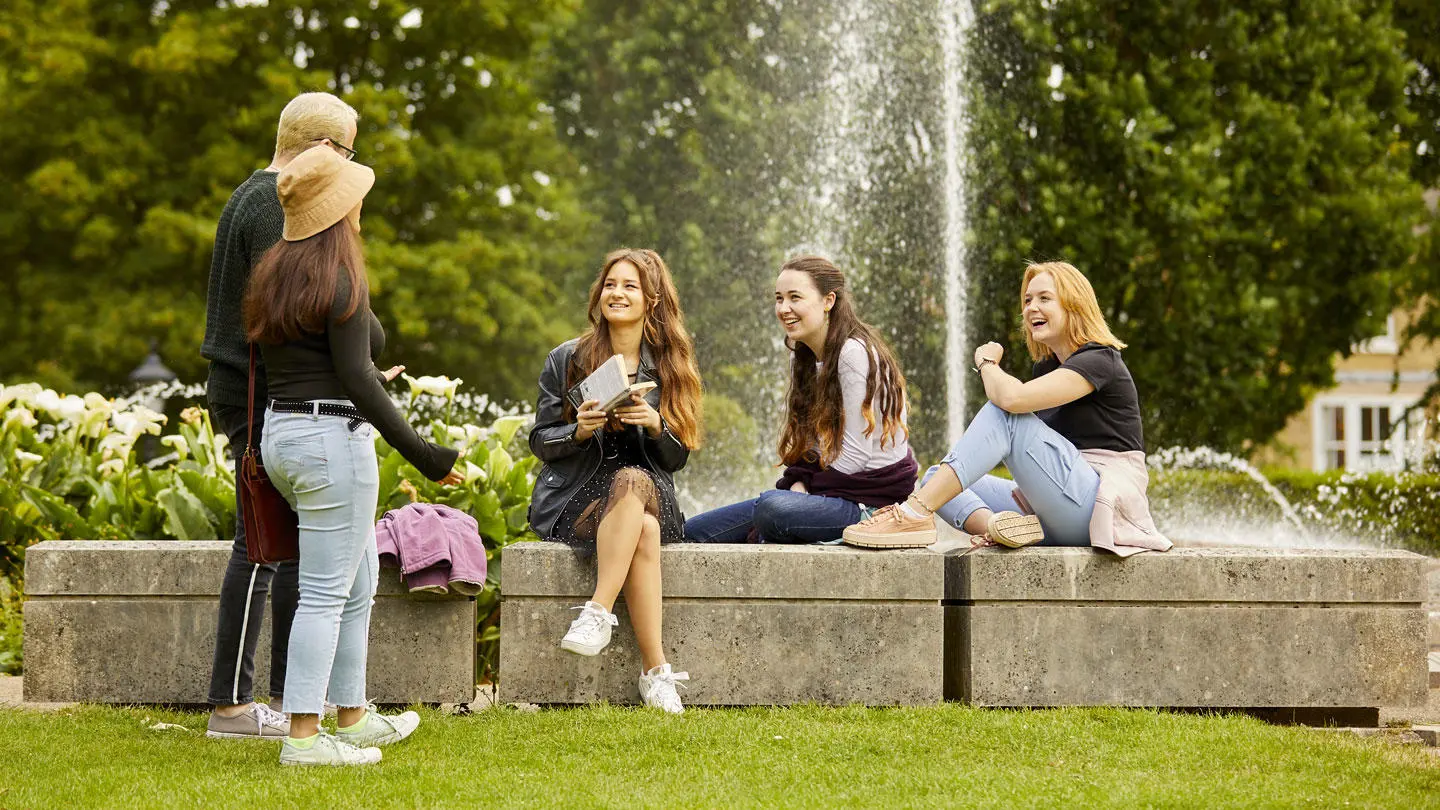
[1107, 418]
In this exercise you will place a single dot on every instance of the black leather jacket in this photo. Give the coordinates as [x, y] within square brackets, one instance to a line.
[568, 465]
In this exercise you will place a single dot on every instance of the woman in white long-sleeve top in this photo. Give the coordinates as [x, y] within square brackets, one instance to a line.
[845, 442]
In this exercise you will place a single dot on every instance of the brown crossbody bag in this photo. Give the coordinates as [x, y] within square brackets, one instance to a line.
[272, 529]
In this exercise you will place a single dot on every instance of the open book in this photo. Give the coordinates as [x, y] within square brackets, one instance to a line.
[608, 384]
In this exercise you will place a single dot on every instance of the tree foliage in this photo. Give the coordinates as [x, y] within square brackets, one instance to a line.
[1232, 178]
[127, 125]
[1420, 20]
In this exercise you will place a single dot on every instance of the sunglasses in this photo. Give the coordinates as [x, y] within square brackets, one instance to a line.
[345, 151]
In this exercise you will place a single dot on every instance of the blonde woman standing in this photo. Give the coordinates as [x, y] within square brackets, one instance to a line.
[1071, 437]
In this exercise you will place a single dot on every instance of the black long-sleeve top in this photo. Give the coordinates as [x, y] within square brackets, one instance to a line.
[339, 364]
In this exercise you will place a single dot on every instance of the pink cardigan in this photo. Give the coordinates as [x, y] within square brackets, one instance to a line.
[1121, 522]
[436, 547]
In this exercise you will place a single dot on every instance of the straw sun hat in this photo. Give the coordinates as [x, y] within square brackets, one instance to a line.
[318, 189]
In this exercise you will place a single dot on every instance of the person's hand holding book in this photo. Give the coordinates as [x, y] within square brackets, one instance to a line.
[588, 419]
[640, 414]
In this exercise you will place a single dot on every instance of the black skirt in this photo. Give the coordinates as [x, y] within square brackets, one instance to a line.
[623, 472]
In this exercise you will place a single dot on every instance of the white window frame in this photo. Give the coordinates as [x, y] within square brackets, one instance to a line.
[1351, 405]
[1386, 343]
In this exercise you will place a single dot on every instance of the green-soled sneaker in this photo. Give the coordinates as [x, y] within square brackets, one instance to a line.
[378, 729]
[323, 749]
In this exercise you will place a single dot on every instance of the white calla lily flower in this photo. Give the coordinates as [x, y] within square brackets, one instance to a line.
[138, 420]
[435, 386]
[49, 402]
[177, 443]
[71, 408]
[24, 393]
[27, 460]
[116, 445]
[20, 418]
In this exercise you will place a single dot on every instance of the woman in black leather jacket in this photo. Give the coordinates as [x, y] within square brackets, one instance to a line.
[607, 479]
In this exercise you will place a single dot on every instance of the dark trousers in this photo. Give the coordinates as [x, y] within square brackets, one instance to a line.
[243, 593]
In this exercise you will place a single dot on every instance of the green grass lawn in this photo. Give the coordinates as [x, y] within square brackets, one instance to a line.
[947, 756]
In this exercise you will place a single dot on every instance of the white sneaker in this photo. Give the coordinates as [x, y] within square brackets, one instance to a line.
[590, 632]
[327, 751]
[380, 729]
[657, 688]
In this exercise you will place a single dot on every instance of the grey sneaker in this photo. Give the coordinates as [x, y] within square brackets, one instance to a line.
[327, 751]
[381, 730]
[258, 722]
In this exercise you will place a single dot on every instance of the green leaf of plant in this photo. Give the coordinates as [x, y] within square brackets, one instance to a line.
[186, 518]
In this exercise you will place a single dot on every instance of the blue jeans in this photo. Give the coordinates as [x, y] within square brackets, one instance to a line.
[329, 474]
[1052, 474]
[778, 516]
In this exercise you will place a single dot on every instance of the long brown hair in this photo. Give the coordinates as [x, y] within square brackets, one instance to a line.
[293, 287]
[815, 412]
[664, 331]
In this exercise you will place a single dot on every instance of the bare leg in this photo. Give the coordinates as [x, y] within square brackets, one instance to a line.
[978, 521]
[938, 491]
[304, 725]
[615, 542]
[642, 595]
[346, 716]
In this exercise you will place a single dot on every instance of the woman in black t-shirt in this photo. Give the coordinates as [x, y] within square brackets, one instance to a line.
[1079, 412]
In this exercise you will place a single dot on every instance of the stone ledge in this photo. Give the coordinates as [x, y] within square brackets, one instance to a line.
[1241, 628]
[723, 571]
[134, 622]
[752, 625]
[1189, 575]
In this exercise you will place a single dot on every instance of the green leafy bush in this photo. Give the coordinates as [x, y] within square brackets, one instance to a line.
[11, 629]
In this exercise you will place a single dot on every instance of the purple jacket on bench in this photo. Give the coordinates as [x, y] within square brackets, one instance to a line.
[436, 547]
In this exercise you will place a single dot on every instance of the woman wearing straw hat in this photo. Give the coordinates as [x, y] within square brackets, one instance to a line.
[308, 308]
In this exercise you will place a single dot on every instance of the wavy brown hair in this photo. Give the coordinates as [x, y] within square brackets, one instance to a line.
[664, 331]
[292, 288]
[815, 412]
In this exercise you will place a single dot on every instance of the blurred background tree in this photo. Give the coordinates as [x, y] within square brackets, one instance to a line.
[127, 125]
[1233, 178]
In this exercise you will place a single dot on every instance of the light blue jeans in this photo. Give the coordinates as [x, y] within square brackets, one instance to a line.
[1052, 474]
[329, 474]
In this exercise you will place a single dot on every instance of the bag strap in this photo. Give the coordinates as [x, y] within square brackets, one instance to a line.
[250, 406]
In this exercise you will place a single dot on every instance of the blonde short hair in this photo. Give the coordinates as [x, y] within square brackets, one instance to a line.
[308, 118]
[1084, 323]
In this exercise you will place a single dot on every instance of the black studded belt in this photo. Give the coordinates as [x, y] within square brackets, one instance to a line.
[320, 409]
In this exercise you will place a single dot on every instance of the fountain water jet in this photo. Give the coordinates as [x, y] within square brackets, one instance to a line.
[956, 17]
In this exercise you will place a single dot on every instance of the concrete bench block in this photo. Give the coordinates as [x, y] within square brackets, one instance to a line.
[753, 625]
[134, 622]
[1243, 628]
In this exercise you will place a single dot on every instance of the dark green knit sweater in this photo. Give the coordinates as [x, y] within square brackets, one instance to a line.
[250, 225]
